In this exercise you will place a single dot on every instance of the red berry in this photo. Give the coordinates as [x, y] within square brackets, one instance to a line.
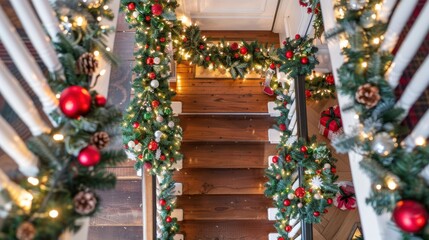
[162, 202]
[243, 50]
[171, 159]
[316, 213]
[136, 141]
[304, 60]
[288, 228]
[286, 202]
[162, 158]
[208, 59]
[318, 172]
[140, 156]
[308, 93]
[234, 46]
[136, 125]
[202, 47]
[146, 46]
[131, 6]
[273, 66]
[147, 18]
[309, 10]
[282, 127]
[168, 219]
[236, 55]
[288, 158]
[151, 75]
[333, 170]
[168, 208]
[303, 149]
[149, 61]
[100, 100]
[284, 42]
[289, 54]
[275, 159]
[158, 48]
[329, 201]
[162, 39]
[297, 36]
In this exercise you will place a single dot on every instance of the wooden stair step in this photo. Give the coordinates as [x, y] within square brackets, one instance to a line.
[225, 128]
[220, 103]
[115, 232]
[226, 229]
[221, 181]
[121, 206]
[224, 207]
[227, 155]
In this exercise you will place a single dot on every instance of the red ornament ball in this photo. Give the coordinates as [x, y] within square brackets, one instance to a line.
[162, 158]
[280, 238]
[100, 100]
[234, 46]
[236, 55]
[410, 216]
[303, 149]
[75, 101]
[309, 10]
[147, 18]
[162, 39]
[288, 228]
[89, 156]
[304, 60]
[289, 54]
[136, 124]
[288, 158]
[329, 201]
[272, 66]
[330, 80]
[155, 103]
[149, 61]
[286, 202]
[162, 202]
[316, 214]
[151, 75]
[275, 159]
[207, 58]
[147, 165]
[157, 9]
[131, 6]
[152, 146]
[168, 208]
[284, 42]
[282, 127]
[300, 192]
[158, 48]
[185, 39]
[140, 156]
[333, 170]
[307, 93]
[297, 36]
[202, 47]
[243, 50]
[168, 219]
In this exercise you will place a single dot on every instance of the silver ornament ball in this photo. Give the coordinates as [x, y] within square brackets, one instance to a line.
[383, 144]
[158, 134]
[154, 83]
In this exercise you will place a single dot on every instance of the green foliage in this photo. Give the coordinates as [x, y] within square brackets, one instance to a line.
[319, 87]
[367, 63]
[313, 7]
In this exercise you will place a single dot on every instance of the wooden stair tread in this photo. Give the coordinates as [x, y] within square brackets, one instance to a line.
[221, 181]
[237, 230]
[227, 155]
[224, 207]
[225, 128]
[121, 206]
[118, 232]
[220, 103]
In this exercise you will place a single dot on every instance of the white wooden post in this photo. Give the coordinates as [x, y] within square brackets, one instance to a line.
[48, 17]
[19, 195]
[20, 102]
[13, 145]
[37, 35]
[26, 64]
[374, 226]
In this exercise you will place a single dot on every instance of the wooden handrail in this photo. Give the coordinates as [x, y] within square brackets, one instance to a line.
[148, 195]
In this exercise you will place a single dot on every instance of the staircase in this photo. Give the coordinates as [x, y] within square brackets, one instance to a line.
[226, 148]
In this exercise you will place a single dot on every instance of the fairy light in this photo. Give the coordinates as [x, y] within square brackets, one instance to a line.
[420, 141]
[391, 184]
[53, 213]
[58, 137]
[376, 40]
[364, 64]
[33, 181]
[96, 53]
[79, 21]
[25, 200]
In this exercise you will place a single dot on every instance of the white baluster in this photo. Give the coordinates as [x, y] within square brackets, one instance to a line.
[419, 133]
[20, 102]
[26, 64]
[415, 88]
[293, 121]
[37, 35]
[386, 9]
[292, 109]
[13, 145]
[19, 195]
[409, 48]
[48, 17]
[399, 18]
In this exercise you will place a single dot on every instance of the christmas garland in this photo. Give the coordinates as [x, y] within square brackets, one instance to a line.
[320, 86]
[313, 7]
[310, 199]
[393, 168]
[151, 133]
[75, 155]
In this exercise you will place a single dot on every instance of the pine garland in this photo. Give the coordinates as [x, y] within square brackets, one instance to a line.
[393, 168]
[61, 178]
[313, 7]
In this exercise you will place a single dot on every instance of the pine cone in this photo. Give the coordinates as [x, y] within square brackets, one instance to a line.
[84, 202]
[368, 95]
[26, 231]
[86, 64]
[100, 140]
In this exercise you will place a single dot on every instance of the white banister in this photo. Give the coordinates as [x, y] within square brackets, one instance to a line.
[399, 18]
[292, 122]
[13, 146]
[415, 88]
[419, 133]
[373, 226]
[35, 32]
[17, 194]
[409, 47]
[26, 64]
[385, 9]
[48, 17]
[20, 102]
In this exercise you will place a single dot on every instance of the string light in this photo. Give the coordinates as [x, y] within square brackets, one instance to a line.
[33, 181]
[53, 213]
[58, 137]
[79, 21]
[420, 141]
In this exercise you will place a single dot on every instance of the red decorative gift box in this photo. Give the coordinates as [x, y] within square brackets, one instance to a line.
[330, 124]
